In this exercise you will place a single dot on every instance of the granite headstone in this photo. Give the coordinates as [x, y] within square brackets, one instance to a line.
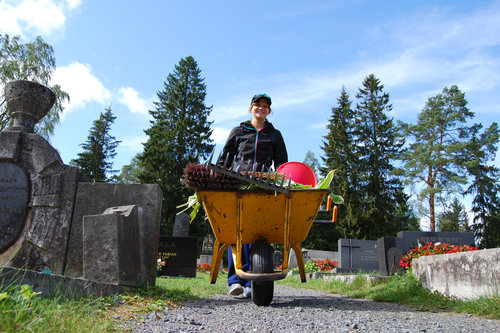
[357, 255]
[179, 254]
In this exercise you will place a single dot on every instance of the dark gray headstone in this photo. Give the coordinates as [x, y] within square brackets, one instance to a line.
[392, 249]
[277, 258]
[181, 225]
[179, 254]
[208, 245]
[14, 195]
[358, 255]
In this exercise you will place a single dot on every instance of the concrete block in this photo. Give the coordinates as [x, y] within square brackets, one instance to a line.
[465, 275]
[111, 246]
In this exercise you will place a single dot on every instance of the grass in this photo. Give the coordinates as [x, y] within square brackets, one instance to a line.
[22, 310]
[405, 290]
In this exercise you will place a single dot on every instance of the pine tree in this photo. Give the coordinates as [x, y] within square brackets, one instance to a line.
[443, 147]
[377, 144]
[96, 160]
[311, 161]
[179, 134]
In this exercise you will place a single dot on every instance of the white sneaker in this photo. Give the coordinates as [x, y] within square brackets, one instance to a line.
[247, 291]
[235, 289]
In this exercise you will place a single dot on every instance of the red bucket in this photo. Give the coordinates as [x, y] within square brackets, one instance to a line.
[301, 173]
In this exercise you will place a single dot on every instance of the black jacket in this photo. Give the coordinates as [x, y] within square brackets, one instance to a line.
[253, 148]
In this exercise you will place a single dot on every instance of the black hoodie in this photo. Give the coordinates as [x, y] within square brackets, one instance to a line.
[253, 148]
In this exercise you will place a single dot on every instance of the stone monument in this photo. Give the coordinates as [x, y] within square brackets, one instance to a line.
[44, 203]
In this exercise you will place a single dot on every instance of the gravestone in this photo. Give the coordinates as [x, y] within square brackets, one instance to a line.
[208, 245]
[179, 254]
[392, 249]
[357, 255]
[277, 258]
[14, 195]
[181, 225]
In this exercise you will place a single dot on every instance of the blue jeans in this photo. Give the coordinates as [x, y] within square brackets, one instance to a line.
[246, 261]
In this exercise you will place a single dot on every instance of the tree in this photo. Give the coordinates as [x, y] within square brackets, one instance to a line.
[485, 188]
[311, 161]
[377, 144]
[130, 172]
[454, 218]
[442, 147]
[340, 155]
[33, 61]
[96, 160]
[179, 134]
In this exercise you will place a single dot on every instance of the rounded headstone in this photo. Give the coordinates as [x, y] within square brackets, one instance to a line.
[14, 196]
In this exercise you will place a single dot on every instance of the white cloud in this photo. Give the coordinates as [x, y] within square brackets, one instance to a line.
[130, 98]
[219, 135]
[39, 16]
[81, 85]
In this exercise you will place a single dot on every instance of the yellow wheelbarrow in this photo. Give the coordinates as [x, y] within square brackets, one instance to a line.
[260, 218]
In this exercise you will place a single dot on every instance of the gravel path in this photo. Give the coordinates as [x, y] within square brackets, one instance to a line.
[301, 310]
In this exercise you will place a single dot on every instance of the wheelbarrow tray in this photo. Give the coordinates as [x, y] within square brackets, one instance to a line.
[245, 217]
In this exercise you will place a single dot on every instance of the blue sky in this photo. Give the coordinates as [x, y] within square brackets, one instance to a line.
[301, 53]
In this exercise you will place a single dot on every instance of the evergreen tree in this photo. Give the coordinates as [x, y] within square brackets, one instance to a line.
[33, 61]
[311, 161]
[443, 147]
[340, 155]
[96, 160]
[179, 134]
[454, 218]
[377, 143]
[485, 186]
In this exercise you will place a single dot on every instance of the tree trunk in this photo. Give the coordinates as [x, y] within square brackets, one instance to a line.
[432, 213]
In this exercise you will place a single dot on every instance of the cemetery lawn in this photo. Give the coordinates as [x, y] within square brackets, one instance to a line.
[405, 290]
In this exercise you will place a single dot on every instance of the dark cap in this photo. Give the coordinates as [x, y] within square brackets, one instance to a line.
[259, 96]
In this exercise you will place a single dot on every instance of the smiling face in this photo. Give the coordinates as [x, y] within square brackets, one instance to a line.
[260, 109]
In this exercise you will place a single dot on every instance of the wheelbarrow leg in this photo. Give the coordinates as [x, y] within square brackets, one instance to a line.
[300, 261]
[216, 259]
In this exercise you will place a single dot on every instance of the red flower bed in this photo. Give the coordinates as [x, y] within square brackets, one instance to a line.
[430, 249]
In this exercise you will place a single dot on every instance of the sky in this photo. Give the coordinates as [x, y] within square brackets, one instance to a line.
[301, 53]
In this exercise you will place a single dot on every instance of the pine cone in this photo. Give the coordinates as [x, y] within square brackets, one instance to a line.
[199, 176]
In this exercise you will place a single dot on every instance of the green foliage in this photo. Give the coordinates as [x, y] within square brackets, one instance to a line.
[443, 148]
[96, 160]
[130, 172]
[454, 218]
[312, 162]
[33, 61]
[360, 145]
[179, 134]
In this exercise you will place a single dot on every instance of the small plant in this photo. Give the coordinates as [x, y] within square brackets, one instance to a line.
[429, 249]
[313, 266]
[160, 263]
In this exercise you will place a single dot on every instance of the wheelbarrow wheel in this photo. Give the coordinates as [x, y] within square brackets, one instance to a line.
[262, 262]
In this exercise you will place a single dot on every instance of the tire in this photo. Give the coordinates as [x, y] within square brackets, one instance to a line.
[262, 262]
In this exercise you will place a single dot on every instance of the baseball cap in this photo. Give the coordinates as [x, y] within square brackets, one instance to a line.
[259, 96]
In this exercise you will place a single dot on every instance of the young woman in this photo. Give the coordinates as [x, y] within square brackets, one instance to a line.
[255, 143]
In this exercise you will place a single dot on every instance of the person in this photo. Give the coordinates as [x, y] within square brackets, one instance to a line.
[257, 146]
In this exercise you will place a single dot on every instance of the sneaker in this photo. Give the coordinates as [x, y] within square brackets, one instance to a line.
[247, 291]
[235, 289]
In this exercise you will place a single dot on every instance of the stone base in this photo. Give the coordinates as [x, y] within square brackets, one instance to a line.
[51, 285]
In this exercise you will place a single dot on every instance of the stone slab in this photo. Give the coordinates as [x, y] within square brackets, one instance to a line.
[89, 201]
[53, 285]
[179, 254]
[358, 254]
[111, 251]
[465, 275]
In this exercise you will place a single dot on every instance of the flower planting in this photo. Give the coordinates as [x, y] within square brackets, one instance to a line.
[429, 249]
